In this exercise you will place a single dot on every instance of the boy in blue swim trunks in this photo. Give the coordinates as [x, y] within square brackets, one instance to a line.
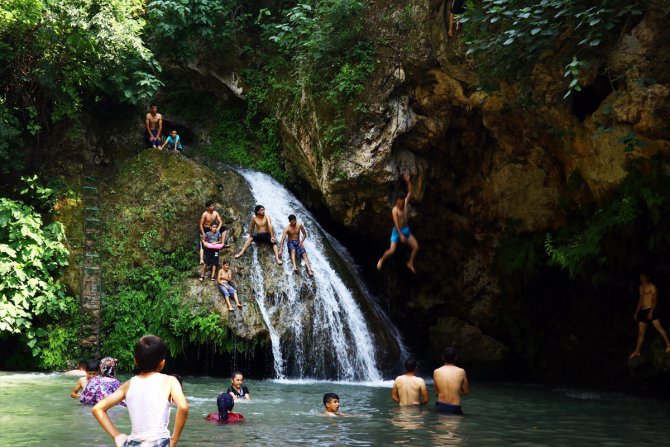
[154, 124]
[295, 245]
[401, 229]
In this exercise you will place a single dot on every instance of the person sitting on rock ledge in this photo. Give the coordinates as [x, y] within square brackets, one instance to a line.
[265, 234]
[295, 245]
[224, 279]
[211, 254]
[173, 141]
[401, 228]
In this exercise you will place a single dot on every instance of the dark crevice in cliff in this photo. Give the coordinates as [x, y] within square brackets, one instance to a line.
[588, 99]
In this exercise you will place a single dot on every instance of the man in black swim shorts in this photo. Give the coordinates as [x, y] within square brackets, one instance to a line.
[261, 232]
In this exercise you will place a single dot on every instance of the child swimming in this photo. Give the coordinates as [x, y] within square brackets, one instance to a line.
[225, 404]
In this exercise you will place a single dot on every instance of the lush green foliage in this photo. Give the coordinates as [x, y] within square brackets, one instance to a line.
[31, 300]
[56, 55]
[185, 29]
[507, 38]
[632, 216]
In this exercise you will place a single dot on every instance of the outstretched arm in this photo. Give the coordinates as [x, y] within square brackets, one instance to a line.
[283, 236]
[424, 394]
[100, 413]
[408, 182]
[182, 411]
[394, 393]
[465, 386]
[304, 233]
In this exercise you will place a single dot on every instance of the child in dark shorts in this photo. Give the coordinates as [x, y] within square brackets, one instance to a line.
[211, 256]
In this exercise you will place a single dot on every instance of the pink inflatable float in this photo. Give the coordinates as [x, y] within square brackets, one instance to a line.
[213, 246]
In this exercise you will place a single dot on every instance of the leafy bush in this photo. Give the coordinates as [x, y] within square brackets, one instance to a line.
[507, 38]
[31, 255]
[58, 55]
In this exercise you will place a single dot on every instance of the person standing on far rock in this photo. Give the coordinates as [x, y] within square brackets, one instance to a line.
[451, 382]
[295, 245]
[401, 228]
[265, 234]
[154, 123]
[209, 217]
[645, 313]
[409, 389]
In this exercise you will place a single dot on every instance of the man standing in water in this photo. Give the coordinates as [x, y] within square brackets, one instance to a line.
[401, 228]
[154, 123]
[409, 389]
[295, 245]
[451, 382]
[646, 313]
[261, 222]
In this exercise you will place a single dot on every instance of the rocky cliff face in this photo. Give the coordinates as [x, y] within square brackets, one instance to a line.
[483, 164]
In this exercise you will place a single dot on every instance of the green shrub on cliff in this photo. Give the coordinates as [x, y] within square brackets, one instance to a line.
[625, 230]
[31, 256]
[58, 55]
[507, 38]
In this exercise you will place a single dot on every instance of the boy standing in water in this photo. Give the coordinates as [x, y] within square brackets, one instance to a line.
[295, 245]
[401, 228]
[451, 383]
[226, 289]
[409, 389]
[645, 313]
[148, 396]
[91, 371]
[332, 403]
[237, 388]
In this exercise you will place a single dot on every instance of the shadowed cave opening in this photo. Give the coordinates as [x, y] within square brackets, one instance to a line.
[588, 99]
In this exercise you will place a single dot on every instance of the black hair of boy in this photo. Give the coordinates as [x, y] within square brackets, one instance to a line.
[449, 355]
[235, 373]
[209, 203]
[92, 365]
[150, 351]
[291, 217]
[226, 261]
[401, 195]
[224, 403]
[328, 397]
[410, 365]
[258, 208]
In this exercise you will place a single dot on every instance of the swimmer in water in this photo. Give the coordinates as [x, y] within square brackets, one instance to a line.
[225, 404]
[409, 389]
[91, 370]
[237, 388]
[451, 382]
[332, 403]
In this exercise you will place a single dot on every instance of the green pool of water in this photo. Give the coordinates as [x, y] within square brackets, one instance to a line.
[36, 410]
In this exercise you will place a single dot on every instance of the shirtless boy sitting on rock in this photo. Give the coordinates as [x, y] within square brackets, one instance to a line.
[265, 234]
[295, 245]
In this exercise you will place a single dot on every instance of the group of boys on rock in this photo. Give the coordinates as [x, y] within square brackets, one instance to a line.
[213, 235]
[154, 124]
[150, 394]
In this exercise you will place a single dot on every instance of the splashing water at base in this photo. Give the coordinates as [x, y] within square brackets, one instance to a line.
[324, 337]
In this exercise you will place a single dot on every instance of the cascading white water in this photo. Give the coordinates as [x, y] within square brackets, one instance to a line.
[326, 337]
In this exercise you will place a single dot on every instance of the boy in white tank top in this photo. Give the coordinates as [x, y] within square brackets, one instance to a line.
[148, 397]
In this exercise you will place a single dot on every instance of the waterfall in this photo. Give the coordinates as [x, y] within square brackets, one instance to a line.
[327, 336]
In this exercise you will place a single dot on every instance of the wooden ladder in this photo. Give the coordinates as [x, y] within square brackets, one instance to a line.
[91, 290]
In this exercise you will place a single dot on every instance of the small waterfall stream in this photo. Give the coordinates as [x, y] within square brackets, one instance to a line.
[317, 328]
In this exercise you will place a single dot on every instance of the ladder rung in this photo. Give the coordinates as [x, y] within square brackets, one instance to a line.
[91, 188]
[92, 255]
[92, 209]
[92, 268]
[92, 219]
[90, 178]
